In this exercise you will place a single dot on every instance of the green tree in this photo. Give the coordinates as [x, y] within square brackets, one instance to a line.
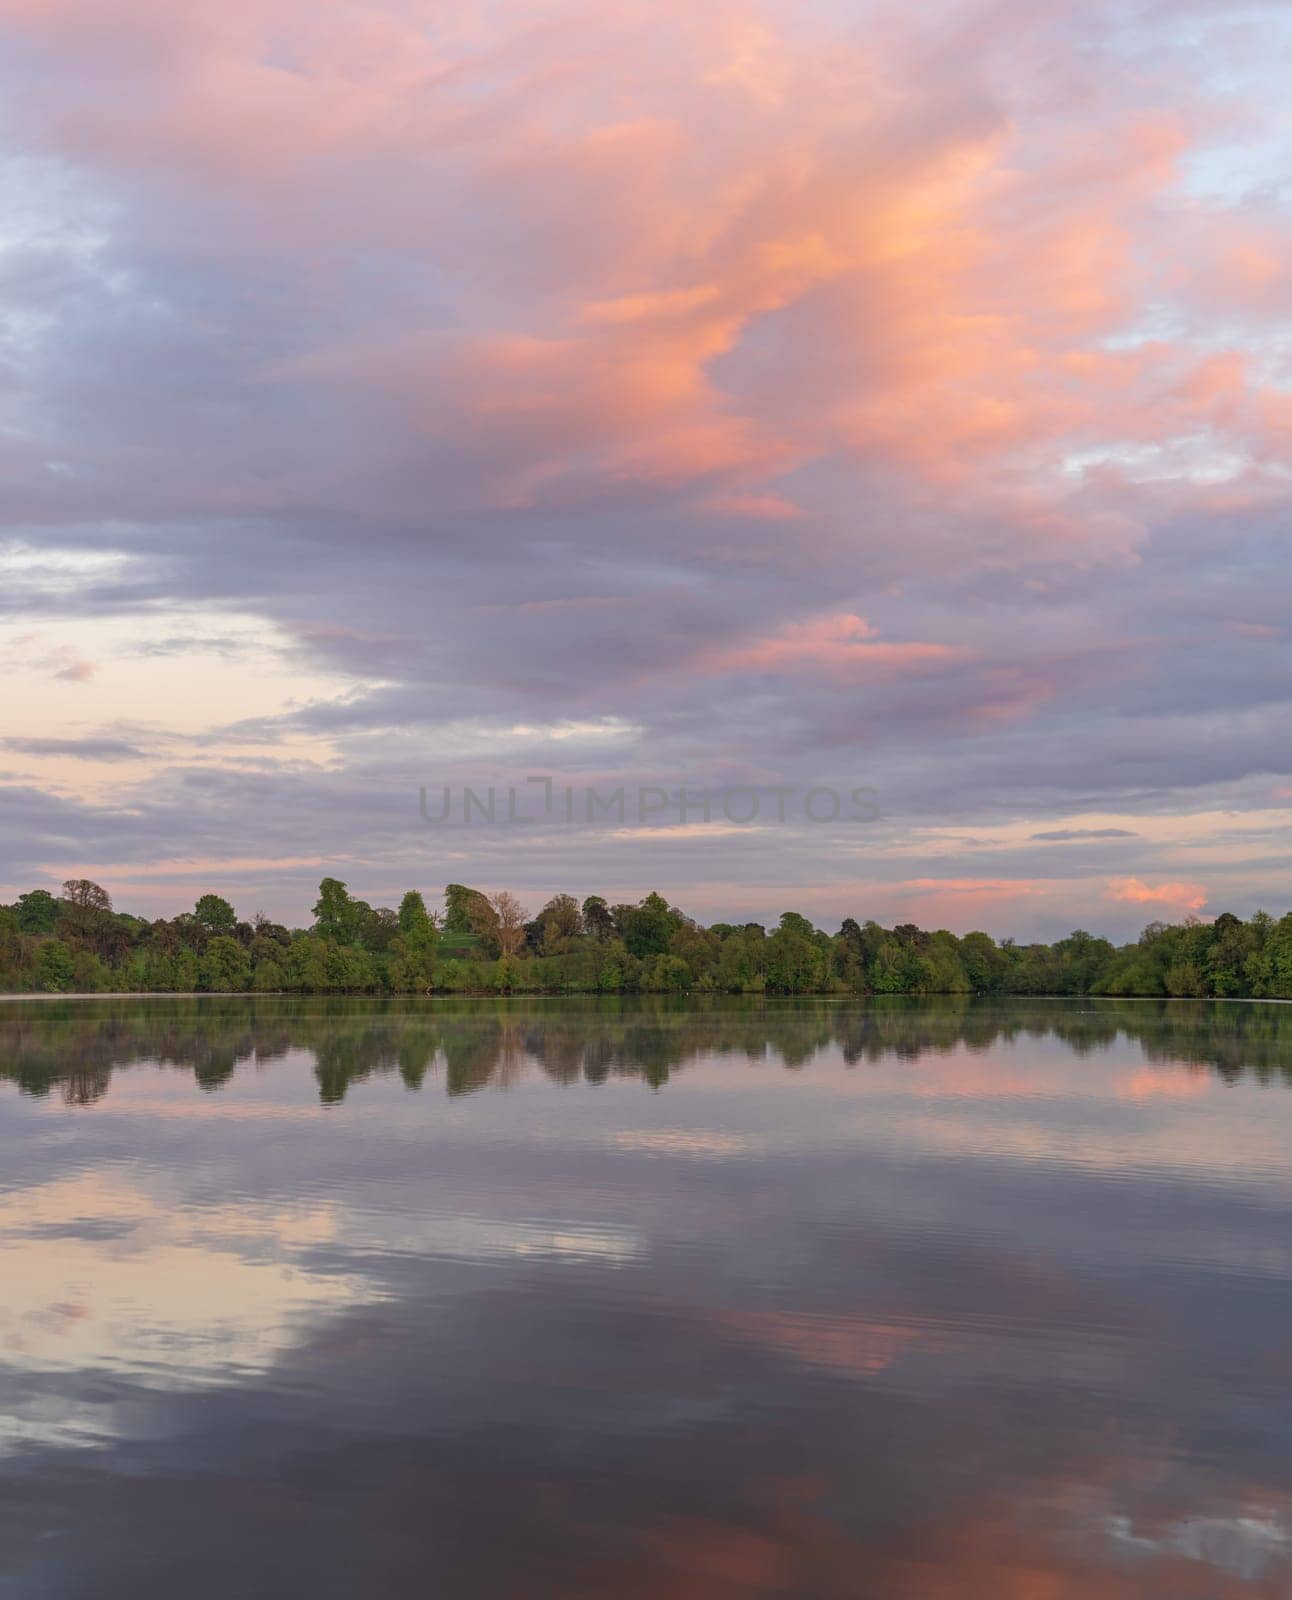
[215, 914]
[983, 964]
[558, 923]
[11, 950]
[414, 919]
[37, 911]
[267, 976]
[55, 966]
[666, 975]
[460, 904]
[895, 969]
[597, 921]
[334, 912]
[649, 926]
[1278, 951]
[796, 964]
[225, 967]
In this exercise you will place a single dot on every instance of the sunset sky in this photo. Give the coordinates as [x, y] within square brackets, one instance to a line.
[800, 394]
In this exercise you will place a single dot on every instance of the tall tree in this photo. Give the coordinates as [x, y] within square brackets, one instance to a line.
[215, 914]
[334, 912]
[416, 925]
[558, 922]
[597, 921]
[462, 908]
[86, 896]
[37, 911]
[87, 920]
[512, 916]
[649, 926]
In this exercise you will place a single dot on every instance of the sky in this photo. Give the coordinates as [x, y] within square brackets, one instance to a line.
[801, 396]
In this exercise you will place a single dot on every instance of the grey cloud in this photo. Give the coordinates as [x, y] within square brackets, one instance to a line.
[89, 749]
[1063, 834]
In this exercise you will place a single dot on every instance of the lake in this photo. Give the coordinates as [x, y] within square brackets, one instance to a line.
[637, 1298]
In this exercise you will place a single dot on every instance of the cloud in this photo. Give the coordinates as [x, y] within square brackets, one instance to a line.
[841, 644]
[88, 749]
[1178, 896]
[1066, 834]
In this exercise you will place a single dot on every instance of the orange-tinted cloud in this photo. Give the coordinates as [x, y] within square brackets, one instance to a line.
[949, 299]
[842, 644]
[1178, 896]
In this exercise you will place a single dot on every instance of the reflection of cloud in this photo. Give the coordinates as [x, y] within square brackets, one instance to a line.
[856, 1345]
[161, 1315]
[704, 1142]
[1244, 1546]
[1155, 1083]
[462, 1237]
[169, 1297]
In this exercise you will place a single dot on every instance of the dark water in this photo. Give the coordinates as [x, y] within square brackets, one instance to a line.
[632, 1299]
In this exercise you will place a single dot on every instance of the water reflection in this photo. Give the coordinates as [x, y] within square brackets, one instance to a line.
[902, 1299]
[473, 1044]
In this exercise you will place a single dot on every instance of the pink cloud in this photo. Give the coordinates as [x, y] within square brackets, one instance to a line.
[76, 671]
[975, 886]
[839, 644]
[766, 507]
[659, 188]
[1177, 896]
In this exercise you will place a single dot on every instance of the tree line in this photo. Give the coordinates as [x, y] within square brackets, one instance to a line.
[489, 943]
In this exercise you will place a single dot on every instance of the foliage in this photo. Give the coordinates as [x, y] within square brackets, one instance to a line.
[486, 945]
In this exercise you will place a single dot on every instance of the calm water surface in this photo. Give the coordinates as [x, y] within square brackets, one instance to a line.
[631, 1299]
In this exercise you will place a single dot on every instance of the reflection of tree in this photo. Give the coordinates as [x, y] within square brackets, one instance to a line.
[74, 1047]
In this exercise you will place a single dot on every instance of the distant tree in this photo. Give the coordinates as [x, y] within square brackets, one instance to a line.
[983, 964]
[263, 928]
[649, 926]
[416, 923]
[215, 914]
[10, 948]
[55, 966]
[795, 962]
[1278, 950]
[483, 923]
[1185, 979]
[86, 920]
[225, 966]
[509, 928]
[1232, 945]
[86, 896]
[266, 977]
[462, 908]
[895, 969]
[667, 975]
[597, 921]
[558, 922]
[375, 927]
[37, 911]
[334, 912]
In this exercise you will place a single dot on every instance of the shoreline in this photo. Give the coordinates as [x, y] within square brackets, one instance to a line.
[584, 994]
